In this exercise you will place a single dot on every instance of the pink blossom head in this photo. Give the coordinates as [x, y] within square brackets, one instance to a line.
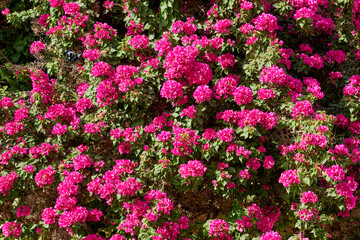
[222, 25]
[45, 176]
[336, 172]
[303, 108]
[71, 8]
[209, 134]
[243, 95]
[274, 75]
[36, 47]
[11, 229]
[225, 86]
[29, 168]
[23, 211]
[171, 90]
[43, 20]
[268, 162]
[270, 236]
[5, 12]
[289, 177]
[56, 3]
[101, 69]
[193, 168]
[225, 134]
[139, 41]
[264, 93]
[202, 93]
[227, 60]
[219, 228]
[309, 196]
[266, 22]
[108, 4]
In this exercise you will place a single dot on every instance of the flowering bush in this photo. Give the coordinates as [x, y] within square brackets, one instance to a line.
[166, 123]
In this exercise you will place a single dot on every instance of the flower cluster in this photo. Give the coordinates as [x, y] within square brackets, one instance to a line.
[193, 168]
[201, 108]
[36, 47]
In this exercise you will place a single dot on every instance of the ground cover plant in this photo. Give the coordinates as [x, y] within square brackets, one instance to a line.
[176, 119]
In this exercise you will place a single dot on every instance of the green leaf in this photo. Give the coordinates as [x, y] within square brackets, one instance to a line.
[307, 181]
[15, 57]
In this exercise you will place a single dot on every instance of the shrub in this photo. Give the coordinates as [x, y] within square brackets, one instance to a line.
[148, 121]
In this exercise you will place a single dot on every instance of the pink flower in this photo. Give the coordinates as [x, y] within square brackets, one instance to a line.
[193, 168]
[139, 41]
[128, 187]
[270, 236]
[163, 45]
[266, 22]
[71, 8]
[81, 88]
[222, 25]
[82, 104]
[335, 56]
[36, 47]
[227, 60]
[336, 172]
[108, 4]
[93, 237]
[23, 211]
[304, 13]
[289, 177]
[305, 48]
[82, 161]
[268, 162]
[309, 196]
[219, 228]
[45, 176]
[43, 20]
[101, 69]
[246, 28]
[189, 111]
[213, 10]
[209, 134]
[29, 168]
[202, 93]
[305, 214]
[5, 12]
[264, 93]
[171, 90]
[315, 61]
[243, 95]
[245, 222]
[11, 228]
[6, 182]
[302, 108]
[164, 136]
[273, 75]
[246, 5]
[117, 237]
[59, 129]
[244, 174]
[225, 134]
[253, 163]
[225, 86]
[56, 3]
[313, 86]
[183, 222]
[124, 148]
[222, 165]
[92, 54]
[251, 40]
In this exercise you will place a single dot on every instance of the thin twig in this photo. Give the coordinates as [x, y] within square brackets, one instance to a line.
[5, 57]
